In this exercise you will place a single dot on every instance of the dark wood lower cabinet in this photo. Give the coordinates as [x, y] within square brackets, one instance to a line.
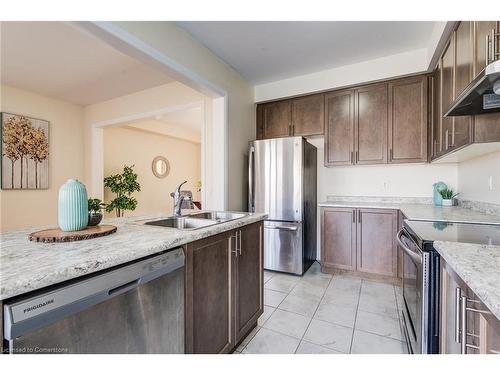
[224, 289]
[361, 240]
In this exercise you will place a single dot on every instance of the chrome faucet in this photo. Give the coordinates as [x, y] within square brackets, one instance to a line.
[178, 199]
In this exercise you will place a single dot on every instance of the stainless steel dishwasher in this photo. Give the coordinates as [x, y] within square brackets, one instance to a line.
[137, 308]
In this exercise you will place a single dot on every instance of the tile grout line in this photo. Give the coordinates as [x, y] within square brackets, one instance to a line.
[356, 316]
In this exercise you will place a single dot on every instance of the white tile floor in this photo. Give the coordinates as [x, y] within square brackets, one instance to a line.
[325, 314]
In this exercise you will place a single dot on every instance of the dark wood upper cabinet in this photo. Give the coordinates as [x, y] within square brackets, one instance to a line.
[371, 103]
[308, 115]
[447, 93]
[463, 76]
[338, 238]
[376, 246]
[408, 120]
[248, 279]
[436, 143]
[481, 30]
[339, 128]
[208, 297]
[276, 119]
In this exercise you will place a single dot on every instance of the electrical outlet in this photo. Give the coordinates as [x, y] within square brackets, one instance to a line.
[490, 183]
[386, 185]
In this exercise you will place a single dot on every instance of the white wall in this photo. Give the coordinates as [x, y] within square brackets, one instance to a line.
[381, 68]
[404, 180]
[474, 178]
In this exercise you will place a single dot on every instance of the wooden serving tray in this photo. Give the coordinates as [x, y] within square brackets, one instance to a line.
[57, 235]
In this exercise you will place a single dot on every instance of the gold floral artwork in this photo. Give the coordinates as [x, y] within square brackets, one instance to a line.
[25, 152]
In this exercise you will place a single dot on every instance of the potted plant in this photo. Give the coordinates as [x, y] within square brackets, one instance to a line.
[95, 211]
[122, 185]
[448, 195]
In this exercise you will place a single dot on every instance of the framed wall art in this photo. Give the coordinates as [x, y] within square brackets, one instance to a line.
[25, 152]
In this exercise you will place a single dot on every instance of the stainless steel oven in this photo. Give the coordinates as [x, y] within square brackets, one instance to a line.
[420, 310]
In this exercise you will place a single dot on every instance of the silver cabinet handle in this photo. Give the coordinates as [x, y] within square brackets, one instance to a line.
[240, 240]
[235, 250]
[463, 325]
[458, 295]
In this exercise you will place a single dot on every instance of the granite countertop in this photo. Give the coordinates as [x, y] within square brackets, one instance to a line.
[423, 212]
[26, 266]
[478, 266]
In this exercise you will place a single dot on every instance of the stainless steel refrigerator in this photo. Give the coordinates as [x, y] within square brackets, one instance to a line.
[282, 183]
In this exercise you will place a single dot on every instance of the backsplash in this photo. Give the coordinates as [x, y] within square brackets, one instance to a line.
[404, 200]
[488, 208]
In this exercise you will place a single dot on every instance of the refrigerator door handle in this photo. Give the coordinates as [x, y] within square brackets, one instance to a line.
[293, 228]
[251, 187]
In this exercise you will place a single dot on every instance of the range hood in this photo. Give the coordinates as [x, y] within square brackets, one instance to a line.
[481, 96]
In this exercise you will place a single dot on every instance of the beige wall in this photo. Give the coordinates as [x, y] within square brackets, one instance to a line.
[474, 178]
[180, 47]
[124, 146]
[25, 208]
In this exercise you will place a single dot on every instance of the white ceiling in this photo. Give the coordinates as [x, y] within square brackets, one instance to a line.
[59, 60]
[269, 51]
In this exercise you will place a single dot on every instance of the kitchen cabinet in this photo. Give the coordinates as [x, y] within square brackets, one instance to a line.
[300, 116]
[371, 124]
[467, 326]
[308, 115]
[276, 119]
[376, 246]
[436, 143]
[482, 29]
[408, 120]
[463, 76]
[446, 93]
[338, 238]
[339, 128]
[248, 279]
[362, 240]
[224, 289]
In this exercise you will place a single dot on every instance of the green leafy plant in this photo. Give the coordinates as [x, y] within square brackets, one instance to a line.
[96, 205]
[122, 185]
[447, 193]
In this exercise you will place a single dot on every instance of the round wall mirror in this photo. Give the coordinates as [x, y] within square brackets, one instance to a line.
[160, 167]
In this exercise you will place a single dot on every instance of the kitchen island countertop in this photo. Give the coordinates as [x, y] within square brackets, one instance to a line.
[27, 266]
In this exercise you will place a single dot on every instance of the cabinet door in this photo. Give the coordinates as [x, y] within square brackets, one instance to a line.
[277, 119]
[259, 121]
[371, 124]
[248, 279]
[481, 30]
[408, 120]
[208, 296]
[339, 129]
[463, 76]
[376, 241]
[308, 115]
[450, 310]
[447, 63]
[338, 238]
[436, 141]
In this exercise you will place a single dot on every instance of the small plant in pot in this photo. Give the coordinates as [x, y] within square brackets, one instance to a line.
[448, 195]
[95, 211]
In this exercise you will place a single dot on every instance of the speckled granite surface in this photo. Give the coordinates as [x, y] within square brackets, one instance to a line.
[415, 209]
[26, 266]
[478, 266]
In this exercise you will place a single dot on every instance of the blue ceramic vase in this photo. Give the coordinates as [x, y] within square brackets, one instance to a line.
[73, 206]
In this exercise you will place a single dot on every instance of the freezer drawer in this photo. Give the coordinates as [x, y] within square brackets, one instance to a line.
[283, 246]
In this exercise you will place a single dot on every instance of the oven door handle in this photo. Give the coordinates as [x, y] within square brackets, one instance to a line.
[417, 258]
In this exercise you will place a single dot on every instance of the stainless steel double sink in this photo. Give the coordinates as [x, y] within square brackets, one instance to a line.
[196, 220]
